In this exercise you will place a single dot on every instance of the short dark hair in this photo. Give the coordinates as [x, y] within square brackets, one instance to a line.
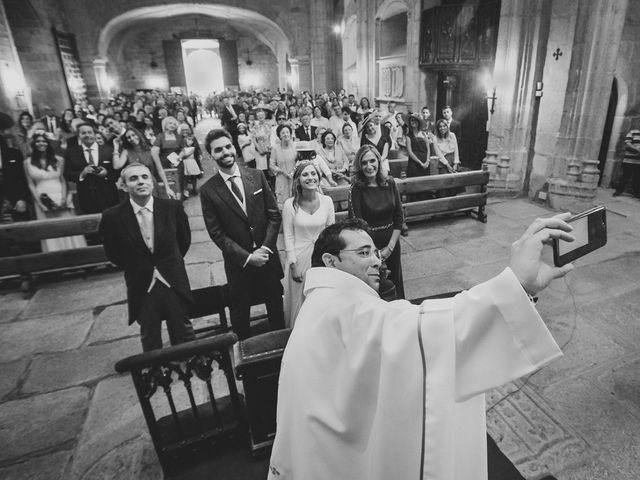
[282, 127]
[330, 241]
[325, 135]
[86, 124]
[215, 134]
[346, 110]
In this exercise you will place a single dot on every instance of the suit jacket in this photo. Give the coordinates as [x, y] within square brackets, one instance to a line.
[236, 233]
[227, 120]
[45, 120]
[301, 134]
[456, 127]
[13, 183]
[124, 246]
[95, 194]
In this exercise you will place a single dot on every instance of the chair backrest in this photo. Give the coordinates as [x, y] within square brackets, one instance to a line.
[185, 405]
[210, 301]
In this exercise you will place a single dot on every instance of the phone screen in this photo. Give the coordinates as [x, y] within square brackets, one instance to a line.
[581, 234]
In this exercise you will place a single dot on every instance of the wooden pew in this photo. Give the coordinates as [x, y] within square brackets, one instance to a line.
[472, 200]
[24, 266]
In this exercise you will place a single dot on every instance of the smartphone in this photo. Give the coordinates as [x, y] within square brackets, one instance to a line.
[590, 232]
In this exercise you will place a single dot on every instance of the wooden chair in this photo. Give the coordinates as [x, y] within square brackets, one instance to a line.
[210, 301]
[190, 426]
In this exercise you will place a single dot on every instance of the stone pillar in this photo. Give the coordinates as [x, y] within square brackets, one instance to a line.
[521, 42]
[366, 67]
[595, 51]
[323, 64]
[102, 82]
[15, 95]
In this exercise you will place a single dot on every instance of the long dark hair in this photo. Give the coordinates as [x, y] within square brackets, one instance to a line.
[23, 130]
[359, 178]
[127, 145]
[49, 154]
[438, 123]
[64, 125]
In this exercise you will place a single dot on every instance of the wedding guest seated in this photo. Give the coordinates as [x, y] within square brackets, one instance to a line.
[14, 192]
[44, 172]
[332, 157]
[136, 149]
[283, 161]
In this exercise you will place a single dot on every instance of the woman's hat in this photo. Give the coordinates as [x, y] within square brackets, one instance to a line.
[304, 146]
[367, 118]
[5, 121]
[406, 117]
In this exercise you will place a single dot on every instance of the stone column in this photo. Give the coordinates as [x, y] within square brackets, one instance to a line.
[321, 45]
[595, 51]
[521, 42]
[366, 67]
[100, 70]
[15, 95]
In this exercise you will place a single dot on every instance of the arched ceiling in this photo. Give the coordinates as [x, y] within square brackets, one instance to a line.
[264, 29]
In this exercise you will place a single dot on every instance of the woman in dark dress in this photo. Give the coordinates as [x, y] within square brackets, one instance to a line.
[374, 198]
[375, 136]
[417, 146]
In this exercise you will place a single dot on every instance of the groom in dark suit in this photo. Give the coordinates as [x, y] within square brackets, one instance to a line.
[243, 220]
[148, 237]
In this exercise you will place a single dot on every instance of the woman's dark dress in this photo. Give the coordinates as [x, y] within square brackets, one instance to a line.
[420, 149]
[380, 207]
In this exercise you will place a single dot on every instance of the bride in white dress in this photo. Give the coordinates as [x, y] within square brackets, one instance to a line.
[49, 190]
[304, 216]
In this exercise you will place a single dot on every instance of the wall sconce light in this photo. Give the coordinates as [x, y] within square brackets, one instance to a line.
[153, 63]
[493, 99]
[248, 61]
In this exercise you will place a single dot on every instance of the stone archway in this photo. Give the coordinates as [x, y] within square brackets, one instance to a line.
[264, 29]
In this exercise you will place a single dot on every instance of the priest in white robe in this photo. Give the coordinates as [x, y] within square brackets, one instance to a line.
[375, 390]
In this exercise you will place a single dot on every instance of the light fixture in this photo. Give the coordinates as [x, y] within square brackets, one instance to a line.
[153, 63]
[337, 29]
[248, 61]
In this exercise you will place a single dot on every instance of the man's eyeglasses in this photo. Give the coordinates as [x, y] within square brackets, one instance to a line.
[281, 118]
[364, 252]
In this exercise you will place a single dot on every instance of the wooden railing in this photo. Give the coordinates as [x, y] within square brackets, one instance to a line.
[26, 265]
[472, 199]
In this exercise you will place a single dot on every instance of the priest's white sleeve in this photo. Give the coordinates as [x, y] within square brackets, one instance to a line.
[499, 336]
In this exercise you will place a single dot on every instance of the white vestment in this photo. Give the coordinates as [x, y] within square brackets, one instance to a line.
[375, 390]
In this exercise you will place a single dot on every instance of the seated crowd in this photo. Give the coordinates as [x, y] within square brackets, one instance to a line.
[298, 144]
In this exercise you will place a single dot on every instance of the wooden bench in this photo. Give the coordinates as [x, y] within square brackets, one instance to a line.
[26, 265]
[472, 200]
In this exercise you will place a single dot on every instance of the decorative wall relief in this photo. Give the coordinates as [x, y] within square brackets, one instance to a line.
[392, 81]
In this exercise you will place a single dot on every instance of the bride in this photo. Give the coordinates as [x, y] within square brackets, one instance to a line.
[49, 190]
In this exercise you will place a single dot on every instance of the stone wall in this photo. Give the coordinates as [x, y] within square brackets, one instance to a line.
[131, 66]
[31, 22]
[627, 74]
[14, 92]
[90, 18]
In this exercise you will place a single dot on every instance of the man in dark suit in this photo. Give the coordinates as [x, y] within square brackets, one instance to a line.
[305, 132]
[50, 120]
[14, 190]
[90, 166]
[148, 237]
[243, 220]
[454, 125]
[229, 116]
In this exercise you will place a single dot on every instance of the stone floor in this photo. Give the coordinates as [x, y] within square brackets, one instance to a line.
[66, 414]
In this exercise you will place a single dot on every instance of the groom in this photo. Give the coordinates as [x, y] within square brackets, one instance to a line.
[243, 220]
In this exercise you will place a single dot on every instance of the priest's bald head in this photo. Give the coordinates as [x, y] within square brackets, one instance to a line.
[347, 246]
